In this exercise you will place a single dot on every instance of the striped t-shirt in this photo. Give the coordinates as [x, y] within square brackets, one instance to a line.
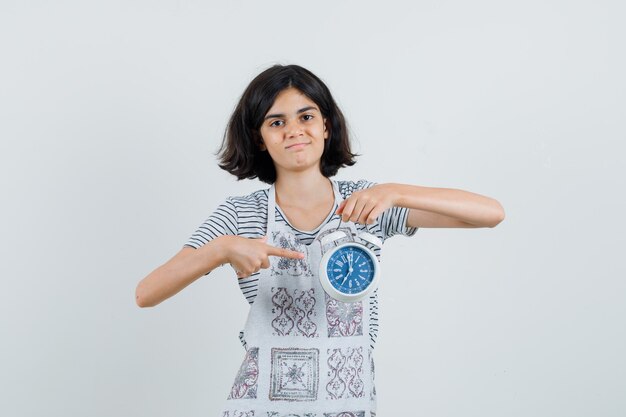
[246, 216]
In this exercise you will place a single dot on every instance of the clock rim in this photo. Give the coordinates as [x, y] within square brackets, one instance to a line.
[332, 291]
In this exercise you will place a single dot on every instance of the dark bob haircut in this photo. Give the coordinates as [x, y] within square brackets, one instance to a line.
[240, 152]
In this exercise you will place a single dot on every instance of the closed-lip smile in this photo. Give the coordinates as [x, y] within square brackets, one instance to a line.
[296, 144]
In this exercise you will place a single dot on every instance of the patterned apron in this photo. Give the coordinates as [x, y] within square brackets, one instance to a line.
[307, 355]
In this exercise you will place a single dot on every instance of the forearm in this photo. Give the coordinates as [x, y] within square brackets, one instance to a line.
[184, 268]
[471, 208]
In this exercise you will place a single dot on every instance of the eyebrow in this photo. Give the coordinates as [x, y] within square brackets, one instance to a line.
[302, 110]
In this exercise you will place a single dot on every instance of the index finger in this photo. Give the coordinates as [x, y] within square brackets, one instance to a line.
[284, 253]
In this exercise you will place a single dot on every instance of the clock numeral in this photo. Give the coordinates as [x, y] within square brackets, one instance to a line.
[339, 263]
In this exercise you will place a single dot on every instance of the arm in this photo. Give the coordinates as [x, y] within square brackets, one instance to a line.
[447, 207]
[247, 256]
[184, 268]
[428, 206]
[189, 264]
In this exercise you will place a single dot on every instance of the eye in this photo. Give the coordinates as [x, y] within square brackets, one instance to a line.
[276, 123]
[307, 117]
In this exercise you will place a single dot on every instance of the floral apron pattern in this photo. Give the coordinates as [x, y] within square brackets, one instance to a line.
[307, 354]
[294, 314]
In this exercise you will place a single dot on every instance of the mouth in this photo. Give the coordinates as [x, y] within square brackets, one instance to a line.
[297, 146]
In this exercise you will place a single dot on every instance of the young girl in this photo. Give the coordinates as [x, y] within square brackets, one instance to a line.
[307, 354]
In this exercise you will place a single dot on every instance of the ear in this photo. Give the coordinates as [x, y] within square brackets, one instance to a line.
[326, 129]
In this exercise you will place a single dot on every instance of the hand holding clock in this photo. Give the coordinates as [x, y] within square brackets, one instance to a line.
[364, 206]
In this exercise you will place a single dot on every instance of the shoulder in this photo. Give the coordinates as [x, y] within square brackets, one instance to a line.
[347, 187]
[249, 212]
[253, 200]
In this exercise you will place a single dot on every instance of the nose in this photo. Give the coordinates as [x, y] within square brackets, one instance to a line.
[293, 129]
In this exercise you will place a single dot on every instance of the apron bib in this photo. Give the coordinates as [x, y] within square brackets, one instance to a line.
[307, 355]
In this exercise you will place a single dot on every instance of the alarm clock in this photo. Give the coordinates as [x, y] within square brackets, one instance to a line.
[349, 271]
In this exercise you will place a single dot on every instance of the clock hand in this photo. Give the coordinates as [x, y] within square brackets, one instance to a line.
[350, 256]
[349, 270]
[344, 280]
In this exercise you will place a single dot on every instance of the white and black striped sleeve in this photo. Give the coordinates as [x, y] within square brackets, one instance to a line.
[393, 220]
[223, 221]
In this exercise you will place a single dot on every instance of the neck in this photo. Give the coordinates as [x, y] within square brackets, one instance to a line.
[303, 189]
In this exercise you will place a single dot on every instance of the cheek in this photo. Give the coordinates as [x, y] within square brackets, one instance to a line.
[318, 131]
[268, 138]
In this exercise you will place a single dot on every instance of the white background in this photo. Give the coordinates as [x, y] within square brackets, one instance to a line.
[109, 116]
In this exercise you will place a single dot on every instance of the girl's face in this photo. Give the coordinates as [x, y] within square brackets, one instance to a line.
[294, 132]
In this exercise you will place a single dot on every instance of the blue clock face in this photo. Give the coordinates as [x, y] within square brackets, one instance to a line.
[350, 269]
